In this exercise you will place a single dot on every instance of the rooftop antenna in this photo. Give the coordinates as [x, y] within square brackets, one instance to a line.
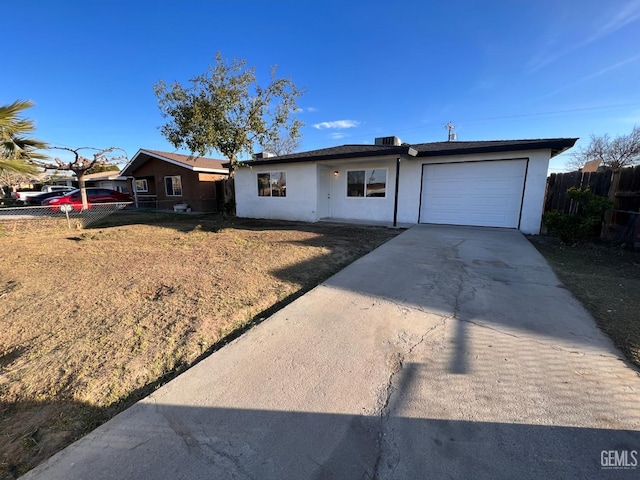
[452, 137]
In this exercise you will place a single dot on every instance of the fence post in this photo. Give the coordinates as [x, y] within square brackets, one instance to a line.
[610, 215]
[615, 182]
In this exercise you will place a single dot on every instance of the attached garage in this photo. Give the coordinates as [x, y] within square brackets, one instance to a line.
[480, 193]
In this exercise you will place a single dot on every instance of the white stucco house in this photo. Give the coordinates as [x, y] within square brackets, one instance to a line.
[109, 179]
[485, 183]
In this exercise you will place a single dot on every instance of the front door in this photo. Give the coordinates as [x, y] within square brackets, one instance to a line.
[324, 193]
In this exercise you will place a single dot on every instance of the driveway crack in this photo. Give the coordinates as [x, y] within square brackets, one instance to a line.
[387, 446]
[205, 451]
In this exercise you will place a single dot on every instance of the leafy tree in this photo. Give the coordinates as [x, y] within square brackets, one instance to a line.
[225, 109]
[618, 152]
[80, 165]
[17, 149]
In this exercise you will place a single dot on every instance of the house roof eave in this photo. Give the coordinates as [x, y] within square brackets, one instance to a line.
[433, 149]
[375, 153]
[211, 170]
[437, 149]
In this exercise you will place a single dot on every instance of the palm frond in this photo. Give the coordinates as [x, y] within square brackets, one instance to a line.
[17, 166]
[15, 145]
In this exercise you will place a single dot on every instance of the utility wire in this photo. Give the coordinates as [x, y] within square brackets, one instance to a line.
[601, 108]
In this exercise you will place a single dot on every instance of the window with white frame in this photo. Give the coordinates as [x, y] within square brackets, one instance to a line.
[272, 184]
[369, 183]
[173, 186]
[142, 185]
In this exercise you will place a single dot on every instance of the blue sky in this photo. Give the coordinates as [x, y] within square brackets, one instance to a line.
[497, 69]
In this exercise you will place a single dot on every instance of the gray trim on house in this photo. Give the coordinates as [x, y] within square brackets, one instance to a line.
[556, 145]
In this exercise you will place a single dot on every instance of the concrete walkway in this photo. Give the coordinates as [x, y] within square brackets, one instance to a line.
[449, 352]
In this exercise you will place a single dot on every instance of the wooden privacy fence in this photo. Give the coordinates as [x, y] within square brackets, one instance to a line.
[622, 187]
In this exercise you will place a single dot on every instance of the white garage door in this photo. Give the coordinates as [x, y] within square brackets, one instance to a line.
[487, 193]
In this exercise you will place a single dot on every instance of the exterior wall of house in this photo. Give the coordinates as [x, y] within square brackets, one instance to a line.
[119, 185]
[198, 189]
[376, 209]
[300, 202]
[306, 183]
[533, 202]
[532, 205]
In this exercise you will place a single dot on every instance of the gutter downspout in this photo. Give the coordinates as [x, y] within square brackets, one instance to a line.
[395, 201]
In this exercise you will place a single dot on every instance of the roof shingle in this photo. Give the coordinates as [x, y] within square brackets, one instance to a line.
[190, 160]
[199, 164]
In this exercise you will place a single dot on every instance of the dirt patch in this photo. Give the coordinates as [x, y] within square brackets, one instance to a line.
[606, 279]
[95, 319]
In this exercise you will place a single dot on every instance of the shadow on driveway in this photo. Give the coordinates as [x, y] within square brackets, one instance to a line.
[168, 441]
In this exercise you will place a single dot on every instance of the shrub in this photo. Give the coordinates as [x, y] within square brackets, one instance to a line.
[585, 223]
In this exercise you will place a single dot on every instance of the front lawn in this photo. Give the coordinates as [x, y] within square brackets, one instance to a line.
[95, 319]
[606, 279]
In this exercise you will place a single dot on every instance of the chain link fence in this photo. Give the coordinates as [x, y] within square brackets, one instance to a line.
[184, 204]
[14, 219]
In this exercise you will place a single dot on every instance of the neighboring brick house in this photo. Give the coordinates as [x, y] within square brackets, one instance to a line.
[162, 180]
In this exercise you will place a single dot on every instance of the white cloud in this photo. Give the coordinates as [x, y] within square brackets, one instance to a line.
[337, 135]
[312, 109]
[338, 124]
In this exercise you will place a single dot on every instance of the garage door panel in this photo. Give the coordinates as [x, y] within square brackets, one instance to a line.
[485, 193]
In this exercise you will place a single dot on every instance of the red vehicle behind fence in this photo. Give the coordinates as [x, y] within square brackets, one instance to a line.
[73, 199]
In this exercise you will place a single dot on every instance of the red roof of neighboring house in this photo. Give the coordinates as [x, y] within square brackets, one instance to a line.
[198, 164]
[201, 162]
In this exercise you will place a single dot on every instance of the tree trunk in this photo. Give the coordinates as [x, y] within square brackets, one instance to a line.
[230, 193]
[83, 190]
[229, 198]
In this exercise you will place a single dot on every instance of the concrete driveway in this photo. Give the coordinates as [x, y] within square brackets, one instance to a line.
[449, 352]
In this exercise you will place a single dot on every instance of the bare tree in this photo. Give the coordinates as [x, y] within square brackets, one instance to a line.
[80, 164]
[283, 145]
[621, 151]
[11, 178]
[576, 162]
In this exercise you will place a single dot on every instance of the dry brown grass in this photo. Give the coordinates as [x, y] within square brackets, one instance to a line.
[606, 279]
[94, 319]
